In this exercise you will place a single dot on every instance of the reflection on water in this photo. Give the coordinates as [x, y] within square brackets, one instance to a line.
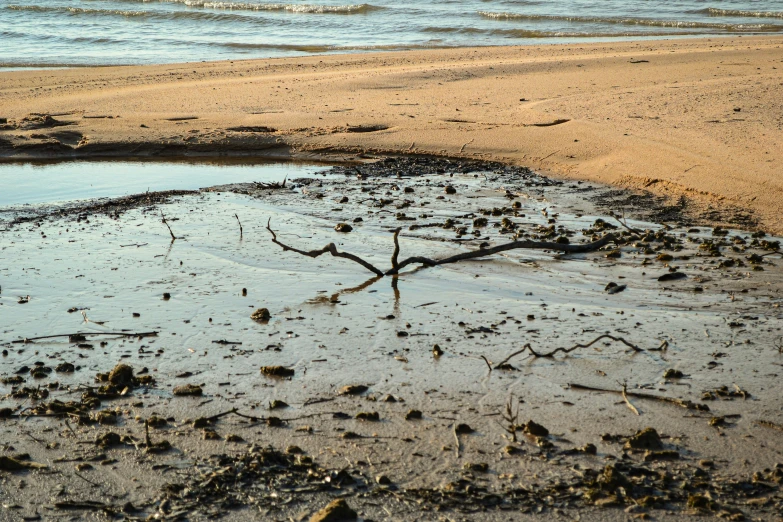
[49, 182]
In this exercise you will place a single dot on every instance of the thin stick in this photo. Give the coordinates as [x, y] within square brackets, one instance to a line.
[395, 264]
[671, 400]
[86, 480]
[568, 350]
[173, 237]
[240, 223]
[85, 334]
[540, 245]
[330, 248]
[486, 361]
[627, 401]
[630, 229]
[456, 438]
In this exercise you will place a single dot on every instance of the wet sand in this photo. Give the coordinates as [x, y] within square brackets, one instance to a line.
[696, 120]
[335, 324]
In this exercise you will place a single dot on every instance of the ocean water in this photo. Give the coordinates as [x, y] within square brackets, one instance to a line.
[111, 32]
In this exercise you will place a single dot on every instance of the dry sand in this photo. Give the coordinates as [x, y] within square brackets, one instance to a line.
[699, 118]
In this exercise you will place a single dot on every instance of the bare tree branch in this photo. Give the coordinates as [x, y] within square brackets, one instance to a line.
[426, 262]
[330, 248]
[539, 245]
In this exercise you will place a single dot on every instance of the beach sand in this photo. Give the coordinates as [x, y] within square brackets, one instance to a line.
[699, 118]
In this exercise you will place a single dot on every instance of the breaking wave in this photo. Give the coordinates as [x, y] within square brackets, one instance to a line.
[714, 11]
[679, 24]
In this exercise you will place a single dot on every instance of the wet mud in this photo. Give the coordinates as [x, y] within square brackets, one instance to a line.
[194, 369]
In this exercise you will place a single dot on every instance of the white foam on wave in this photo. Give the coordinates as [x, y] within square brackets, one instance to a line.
[254, 6]
[714, 11]
[682, 24]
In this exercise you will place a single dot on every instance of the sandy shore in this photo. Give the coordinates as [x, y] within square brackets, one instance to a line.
[699, 118]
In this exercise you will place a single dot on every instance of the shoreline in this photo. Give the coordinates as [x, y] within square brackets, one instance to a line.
[659, 116]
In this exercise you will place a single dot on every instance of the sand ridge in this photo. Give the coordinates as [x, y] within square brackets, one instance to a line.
[700, 118]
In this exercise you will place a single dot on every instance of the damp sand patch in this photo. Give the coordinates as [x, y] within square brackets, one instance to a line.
[448, 427]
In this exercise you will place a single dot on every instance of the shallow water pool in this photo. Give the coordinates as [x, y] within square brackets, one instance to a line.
[51, 182]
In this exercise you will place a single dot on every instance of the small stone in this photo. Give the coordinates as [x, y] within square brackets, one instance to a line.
[353, 389]
[188, 390]
[277, 371]
[370, 416]
[335, 511]
[671, 373]
[437, 351]
[450, 190]
[65, 368]
[646, 439]
[535, 429]
[343, 227]
[210, 434]
[166, 296]
[261, 315]
[478, 467]
[294, 450]
[383, 480]
[121, 375]
[463, 428]
[652, 456]
[413, 415]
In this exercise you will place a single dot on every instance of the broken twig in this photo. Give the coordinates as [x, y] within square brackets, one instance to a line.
[567, 350]
[671, 400]
[331, 248]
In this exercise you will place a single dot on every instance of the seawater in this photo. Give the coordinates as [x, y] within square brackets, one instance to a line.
[113, 32]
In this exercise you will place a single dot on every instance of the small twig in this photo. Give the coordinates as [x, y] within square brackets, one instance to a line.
[548, 155]
[240, 223]
[85, 334]
[671, 400]
[86, 480]
[769, 424]
[456, 439]
[330, 248]
[173, 237]
[630, 229]
[486, 361]
[568, 350]
[627, 401]
[462, 149]
[395, 264]
[68, 424]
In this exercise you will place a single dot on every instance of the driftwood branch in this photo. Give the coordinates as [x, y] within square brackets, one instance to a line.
[426, 262]
[330, 248]
[484, 252]
[529, 348]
